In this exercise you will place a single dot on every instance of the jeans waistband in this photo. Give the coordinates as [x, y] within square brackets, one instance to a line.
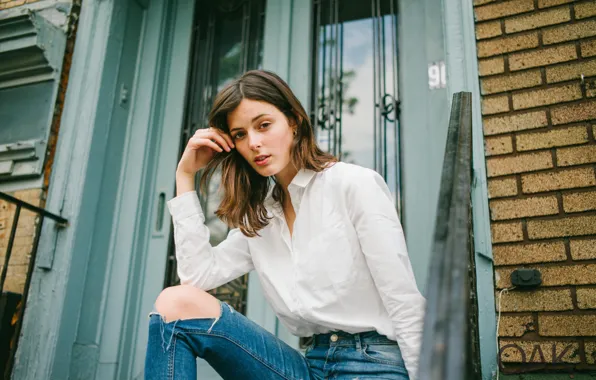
[341, 338]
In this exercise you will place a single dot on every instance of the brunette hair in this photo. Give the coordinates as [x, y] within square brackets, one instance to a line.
[244, 190]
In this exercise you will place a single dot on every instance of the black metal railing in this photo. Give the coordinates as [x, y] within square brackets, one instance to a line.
[450, 349]
[12, 304]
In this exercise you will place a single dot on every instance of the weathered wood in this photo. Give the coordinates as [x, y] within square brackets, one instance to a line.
[449, 349]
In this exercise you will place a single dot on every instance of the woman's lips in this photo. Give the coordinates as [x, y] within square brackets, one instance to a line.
[262, 160]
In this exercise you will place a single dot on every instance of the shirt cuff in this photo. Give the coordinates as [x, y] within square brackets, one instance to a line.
[185, 205]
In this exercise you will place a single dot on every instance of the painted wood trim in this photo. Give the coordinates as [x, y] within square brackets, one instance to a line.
[462, 75]
[39, 354]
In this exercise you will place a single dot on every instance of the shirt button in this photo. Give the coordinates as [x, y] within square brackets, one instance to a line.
[334, 338]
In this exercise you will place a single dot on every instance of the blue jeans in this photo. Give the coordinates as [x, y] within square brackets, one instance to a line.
[238, 348]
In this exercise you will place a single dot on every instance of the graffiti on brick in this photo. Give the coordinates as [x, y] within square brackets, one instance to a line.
[539, 352]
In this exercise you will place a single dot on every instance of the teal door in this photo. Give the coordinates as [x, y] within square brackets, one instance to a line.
[128, 261]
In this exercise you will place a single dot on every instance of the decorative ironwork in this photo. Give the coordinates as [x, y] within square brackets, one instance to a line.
[12, 304]
[355, 97]
[450, 345]
[228, 40]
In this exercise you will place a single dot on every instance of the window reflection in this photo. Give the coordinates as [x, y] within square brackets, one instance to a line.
[354, 106]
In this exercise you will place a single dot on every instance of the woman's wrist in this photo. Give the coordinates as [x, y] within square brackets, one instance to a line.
[185, 182]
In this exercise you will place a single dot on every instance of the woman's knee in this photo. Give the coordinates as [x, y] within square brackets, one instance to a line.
[186, 302]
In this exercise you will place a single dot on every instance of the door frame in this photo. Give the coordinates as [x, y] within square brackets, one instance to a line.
[53, 308]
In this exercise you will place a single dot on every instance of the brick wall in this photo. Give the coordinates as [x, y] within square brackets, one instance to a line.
[23, 243]
[5, 4]
[539, 119]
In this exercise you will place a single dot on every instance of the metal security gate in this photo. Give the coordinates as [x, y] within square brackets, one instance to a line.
[355, 99]
[228, 40]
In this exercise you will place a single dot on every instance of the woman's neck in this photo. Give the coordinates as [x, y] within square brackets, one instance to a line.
[285, 177]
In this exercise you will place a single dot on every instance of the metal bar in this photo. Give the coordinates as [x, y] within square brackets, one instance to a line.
[375, 108]
[38, 210]
[397, 126]
[383, 89]
[341, 92]
[337, 77]
[21, 314]
[316, 38]
[13, 231]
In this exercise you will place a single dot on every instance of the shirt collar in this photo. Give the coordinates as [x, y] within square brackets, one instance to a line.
[303, 177]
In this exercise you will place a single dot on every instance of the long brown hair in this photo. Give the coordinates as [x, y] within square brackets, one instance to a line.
[244, 190]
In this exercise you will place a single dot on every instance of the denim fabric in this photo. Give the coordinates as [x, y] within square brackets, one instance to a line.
[238, 348]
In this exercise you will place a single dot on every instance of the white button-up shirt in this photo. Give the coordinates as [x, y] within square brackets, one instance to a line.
[345, 267]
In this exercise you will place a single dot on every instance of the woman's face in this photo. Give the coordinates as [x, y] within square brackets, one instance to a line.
[263, 136]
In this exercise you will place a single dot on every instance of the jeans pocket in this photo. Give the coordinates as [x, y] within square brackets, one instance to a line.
[389, 354]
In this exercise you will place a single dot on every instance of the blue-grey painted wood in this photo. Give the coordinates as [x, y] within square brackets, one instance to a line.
[52, 309]
[462, 69]
[424, 120]
[97, 294]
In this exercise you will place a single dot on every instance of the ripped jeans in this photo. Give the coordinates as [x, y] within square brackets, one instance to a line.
[238, 348]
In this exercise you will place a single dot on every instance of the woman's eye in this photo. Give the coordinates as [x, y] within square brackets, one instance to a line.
[264, 125]
[238, 136]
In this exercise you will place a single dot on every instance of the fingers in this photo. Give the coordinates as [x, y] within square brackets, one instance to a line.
[216, 136]
[198, 142]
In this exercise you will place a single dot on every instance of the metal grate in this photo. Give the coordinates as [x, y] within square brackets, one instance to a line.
[12, 304]
[355, 98]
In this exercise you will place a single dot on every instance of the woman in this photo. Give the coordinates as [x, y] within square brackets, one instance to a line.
[323, 237]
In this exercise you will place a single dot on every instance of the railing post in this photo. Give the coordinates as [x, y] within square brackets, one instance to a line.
[449, 346]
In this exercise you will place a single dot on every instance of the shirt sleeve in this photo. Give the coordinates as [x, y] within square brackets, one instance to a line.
[200, 264]
[373, 214]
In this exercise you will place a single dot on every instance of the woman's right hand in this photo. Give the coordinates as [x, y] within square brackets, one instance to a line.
[201, 148]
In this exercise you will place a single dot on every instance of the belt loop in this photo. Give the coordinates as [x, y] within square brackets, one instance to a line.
[358, 343]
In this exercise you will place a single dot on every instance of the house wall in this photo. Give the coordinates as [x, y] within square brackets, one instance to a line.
[537, 63]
